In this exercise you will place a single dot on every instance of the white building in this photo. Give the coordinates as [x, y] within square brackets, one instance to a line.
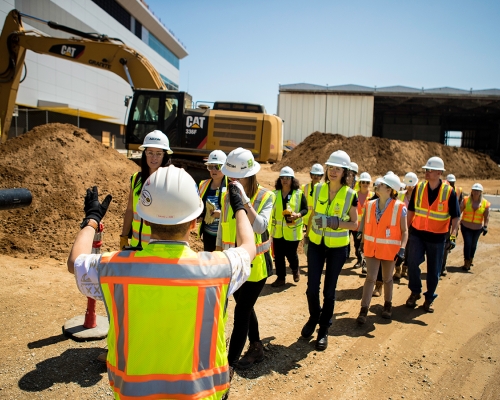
[66, 91]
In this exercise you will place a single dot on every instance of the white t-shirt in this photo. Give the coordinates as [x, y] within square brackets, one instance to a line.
[87, 274]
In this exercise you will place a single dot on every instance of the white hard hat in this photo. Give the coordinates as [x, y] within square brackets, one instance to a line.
[451, 178]
[240, 164]
[390, 173]
[353, 167]
[216, 157]
[158, 140]
[287, 171]
[477, 186]
[365, 176]
[435, 163]
[169, 197]
[392, 180]
[378, 181]
[410, 179]
[317, 169]
[339, 158]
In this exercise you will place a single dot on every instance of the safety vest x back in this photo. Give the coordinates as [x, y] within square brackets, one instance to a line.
[145, 231]
[338, 207]
[166, 308]
[435, 217]
[382, 240]
[228, 230]
[279, 226]
[474, 216]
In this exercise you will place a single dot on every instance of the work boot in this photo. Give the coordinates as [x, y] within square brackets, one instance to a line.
[322, 339]
[387, 312]
[404, 272]
[362, 315]
[472, 262]
[254, 354]
[412, 300]
[278, 282]
[358, 264]
[397, 274]
[466, 266]
[296, 275]
[377, 292]
[308, 328]
[428, 306]
[444, 272]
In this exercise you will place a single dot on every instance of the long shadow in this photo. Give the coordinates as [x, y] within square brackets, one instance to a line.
[349, 294]
[454, 269]
[74, 365]
[268, 289]
[47, 341]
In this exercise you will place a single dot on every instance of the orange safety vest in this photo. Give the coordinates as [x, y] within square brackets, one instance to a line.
[382, 240]
[474, 216]
[433, 218]
[361, 208]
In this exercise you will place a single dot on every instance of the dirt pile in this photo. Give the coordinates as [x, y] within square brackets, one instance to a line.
[57, 163]
[378, 155]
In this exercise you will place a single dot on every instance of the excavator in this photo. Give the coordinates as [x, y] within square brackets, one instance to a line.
[193, 132]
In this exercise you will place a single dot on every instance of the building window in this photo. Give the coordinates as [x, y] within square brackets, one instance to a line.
[116, 11]
[138, 29]
[157, 46]
[170, 85]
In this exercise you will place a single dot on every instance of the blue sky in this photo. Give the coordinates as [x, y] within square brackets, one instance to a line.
[242, 51]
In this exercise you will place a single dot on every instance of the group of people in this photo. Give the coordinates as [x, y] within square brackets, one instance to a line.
[167, 304]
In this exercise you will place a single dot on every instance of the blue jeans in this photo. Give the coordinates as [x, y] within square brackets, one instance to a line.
[335, 258]
[471, 237]
[434, 253]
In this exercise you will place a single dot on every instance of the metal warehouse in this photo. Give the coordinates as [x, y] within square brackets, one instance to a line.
[394, 112]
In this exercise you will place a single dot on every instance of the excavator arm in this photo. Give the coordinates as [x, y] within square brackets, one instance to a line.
[93, 50]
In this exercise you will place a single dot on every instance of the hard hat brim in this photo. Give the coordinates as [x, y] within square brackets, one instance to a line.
[435, 169]
[170, 221]
[156, 146]
[239, 175]
[390, 184]
[214, 163]
[337, 165]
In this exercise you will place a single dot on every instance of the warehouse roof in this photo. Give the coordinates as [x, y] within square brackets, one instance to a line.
[388, 90]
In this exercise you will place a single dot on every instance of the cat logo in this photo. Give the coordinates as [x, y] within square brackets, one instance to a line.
[195, 122]
[67, 51]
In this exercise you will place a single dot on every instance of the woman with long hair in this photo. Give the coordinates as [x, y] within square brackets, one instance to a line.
[289, 208]
[383, 242]
[241, 169]
[475, 217]
[156, 154]
[211, 191]
[327, 237]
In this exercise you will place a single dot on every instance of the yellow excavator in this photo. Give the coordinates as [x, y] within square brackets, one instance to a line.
[193, 132]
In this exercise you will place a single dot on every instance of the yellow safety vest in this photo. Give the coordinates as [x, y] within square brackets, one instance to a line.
[338, 207]
[136, 222]
[166, 307]
[306, 189]
[474, 216]
[202, 189]
[228, 230]
[279, 227]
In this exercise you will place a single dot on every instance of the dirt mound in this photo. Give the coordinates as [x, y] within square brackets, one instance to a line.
[57, 163]
[377, 156]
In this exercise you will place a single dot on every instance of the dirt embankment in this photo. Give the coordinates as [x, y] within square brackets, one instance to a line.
[378, 155]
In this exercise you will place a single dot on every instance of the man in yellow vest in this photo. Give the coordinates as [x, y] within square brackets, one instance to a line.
[166, 304]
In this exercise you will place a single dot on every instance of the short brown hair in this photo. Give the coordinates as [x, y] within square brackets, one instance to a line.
[169, 230]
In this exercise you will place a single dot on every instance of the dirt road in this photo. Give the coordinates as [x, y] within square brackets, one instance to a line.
[453, 353]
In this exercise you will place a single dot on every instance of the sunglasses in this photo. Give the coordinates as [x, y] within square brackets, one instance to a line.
[364, 183]
[429, 170]
[214, 167]
[285, 177]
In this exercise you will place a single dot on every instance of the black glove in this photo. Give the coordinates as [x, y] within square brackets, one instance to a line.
[93, 209]
[485, 230]
[453, 243]
[400, 257]
[235, 199]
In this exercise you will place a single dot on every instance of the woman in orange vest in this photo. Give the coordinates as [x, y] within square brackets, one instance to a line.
[383, 242]
[475, 216]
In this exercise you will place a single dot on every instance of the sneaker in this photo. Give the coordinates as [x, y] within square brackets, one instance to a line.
[412, 300]
[296, 275]
[308, 329]
[362, 315]
[278, 282]
[387, 312]
[254, 354]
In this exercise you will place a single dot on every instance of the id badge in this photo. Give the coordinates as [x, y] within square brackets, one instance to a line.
[336, 209]
[387, 232]
[440, 207]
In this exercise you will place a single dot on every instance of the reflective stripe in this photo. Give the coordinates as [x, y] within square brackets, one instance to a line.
[474, 216]
[369, 238]
[279, 227]
[433, 217]
[263, 247]
[382, 241]
[145, 231]
[395, 213]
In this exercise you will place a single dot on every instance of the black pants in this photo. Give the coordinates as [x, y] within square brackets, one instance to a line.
[357, 243]
[209, 242]
[285, 248]
[245, 319]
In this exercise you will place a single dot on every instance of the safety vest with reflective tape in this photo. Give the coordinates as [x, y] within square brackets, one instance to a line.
[361, 206]
[228, 231]
[474, 216]
[202, 189]
[306, 189]
[382, 240]
[433, 218]
[166, 307]
[338, 207]
[279, 227]
[136, 222]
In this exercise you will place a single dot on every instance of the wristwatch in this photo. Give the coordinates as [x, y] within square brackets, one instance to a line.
[91, 222]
